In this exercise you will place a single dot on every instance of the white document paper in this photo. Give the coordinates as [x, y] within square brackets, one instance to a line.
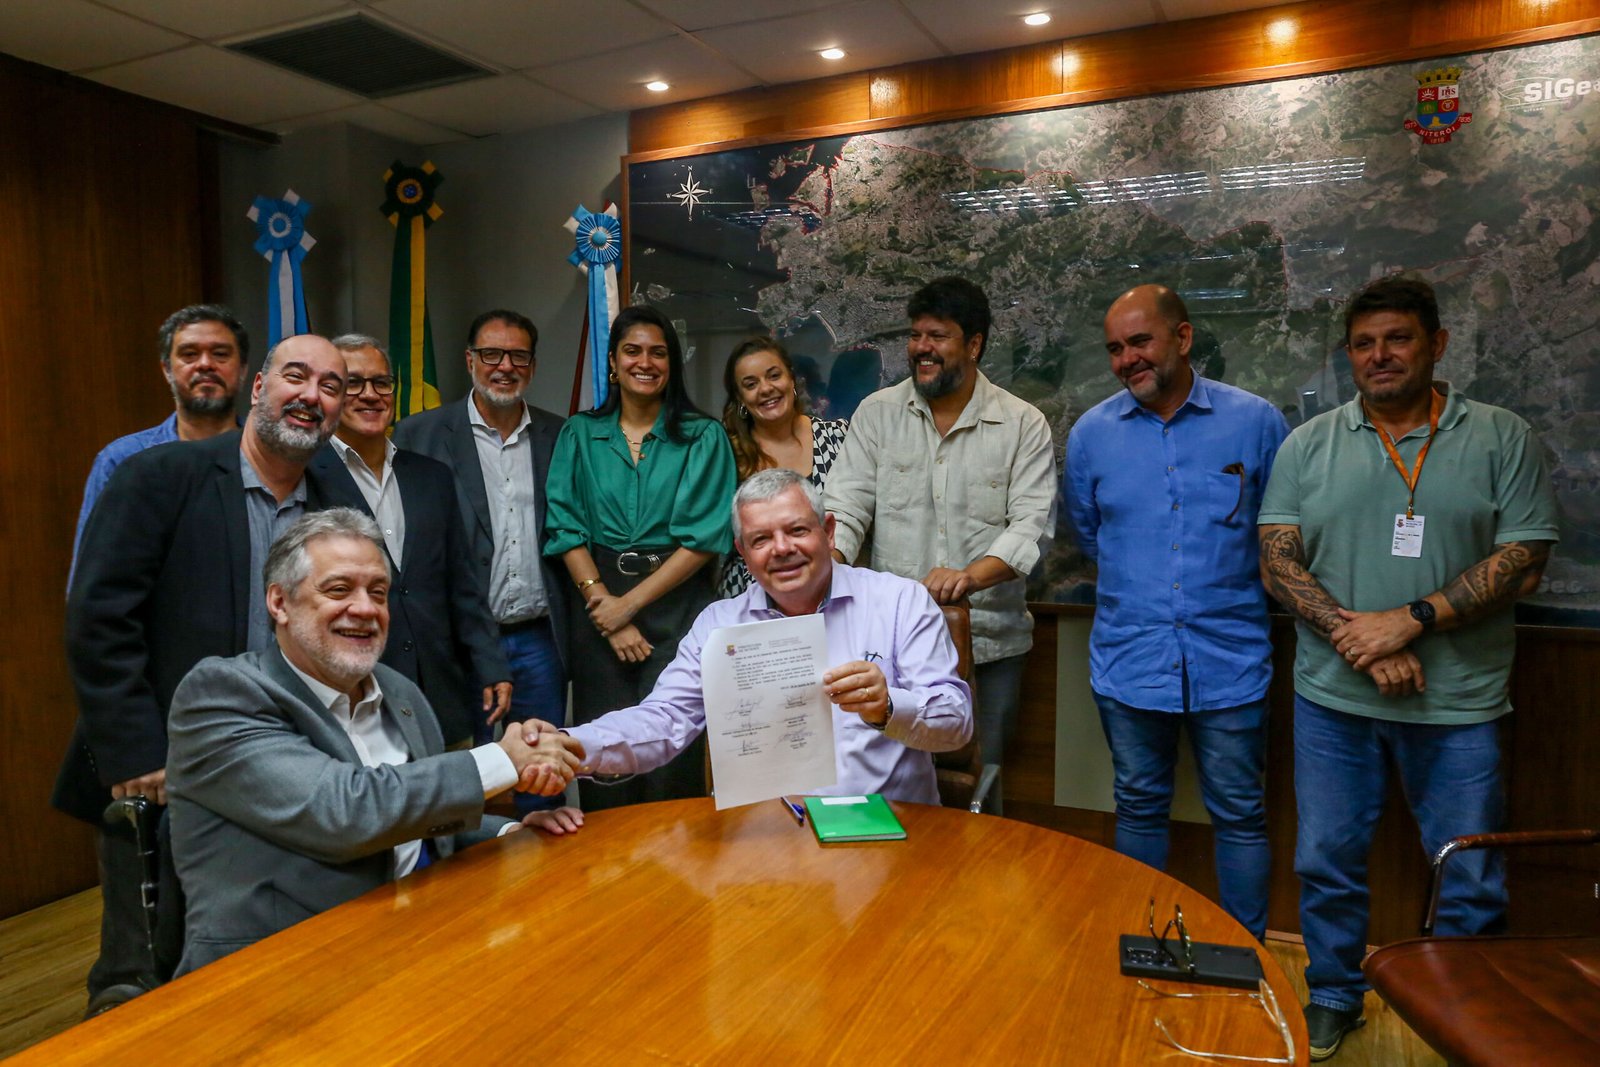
[769, 724]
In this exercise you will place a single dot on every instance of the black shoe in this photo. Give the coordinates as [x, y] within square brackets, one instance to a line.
[112, 997]
[1326, 1027]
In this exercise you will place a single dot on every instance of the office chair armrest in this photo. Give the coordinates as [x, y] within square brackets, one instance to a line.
[980, 792]
[1509, 839]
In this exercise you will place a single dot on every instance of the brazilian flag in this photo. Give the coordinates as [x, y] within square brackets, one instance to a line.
[410, 208]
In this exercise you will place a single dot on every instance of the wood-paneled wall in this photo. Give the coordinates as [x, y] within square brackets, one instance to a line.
[100, 238]
[1289, 41]
[1554, 740]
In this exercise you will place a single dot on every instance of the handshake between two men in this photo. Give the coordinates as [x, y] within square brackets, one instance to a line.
[546, 760]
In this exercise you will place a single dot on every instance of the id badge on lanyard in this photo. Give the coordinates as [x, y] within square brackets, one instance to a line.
[1408, 525]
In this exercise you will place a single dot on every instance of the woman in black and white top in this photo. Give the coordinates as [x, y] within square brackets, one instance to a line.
[765, 416]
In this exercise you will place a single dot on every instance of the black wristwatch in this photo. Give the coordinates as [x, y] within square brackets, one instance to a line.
[1422, 611]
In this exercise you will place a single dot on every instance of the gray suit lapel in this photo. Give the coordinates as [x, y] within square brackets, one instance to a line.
[403, 715]
[469, 471]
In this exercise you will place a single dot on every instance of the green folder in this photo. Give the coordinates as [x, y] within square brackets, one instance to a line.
[839, 819]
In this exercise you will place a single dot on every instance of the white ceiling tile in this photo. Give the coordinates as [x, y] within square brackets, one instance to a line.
[702, 14]
[210, 19]
[490, 105]
[378, 119]
[873, 33]
[74, 35]
[522, 34]
[1195, 9]
[966, 27]
[617, 83]
[215, 82]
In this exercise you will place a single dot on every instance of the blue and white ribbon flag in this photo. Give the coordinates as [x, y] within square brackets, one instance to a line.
[283, 240]
[597, 248]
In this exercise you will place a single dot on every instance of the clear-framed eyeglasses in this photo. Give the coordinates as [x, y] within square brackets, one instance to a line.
[1262, 996]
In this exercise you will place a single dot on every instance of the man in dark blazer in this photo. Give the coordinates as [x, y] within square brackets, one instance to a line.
[441, 635]
[498, 447]
[306, 774]
[169, 572]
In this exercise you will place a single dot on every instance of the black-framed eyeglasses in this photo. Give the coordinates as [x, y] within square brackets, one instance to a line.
[491, 357]
[1174, 924]
[382, 384]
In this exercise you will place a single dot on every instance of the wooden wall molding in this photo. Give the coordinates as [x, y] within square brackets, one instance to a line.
[1232, 49]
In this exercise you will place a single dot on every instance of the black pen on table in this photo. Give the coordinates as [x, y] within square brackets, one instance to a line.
[794, 809]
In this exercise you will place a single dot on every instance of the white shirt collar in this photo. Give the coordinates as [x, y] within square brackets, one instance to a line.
[347, 450]
[371, 695]
[475, 418]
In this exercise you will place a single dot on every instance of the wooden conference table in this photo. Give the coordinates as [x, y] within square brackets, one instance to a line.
[673, 933]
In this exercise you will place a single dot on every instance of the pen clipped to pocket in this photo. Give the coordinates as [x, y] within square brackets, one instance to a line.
[1236, 469]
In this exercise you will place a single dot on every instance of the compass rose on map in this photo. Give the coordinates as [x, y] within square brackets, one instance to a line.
[690, 193]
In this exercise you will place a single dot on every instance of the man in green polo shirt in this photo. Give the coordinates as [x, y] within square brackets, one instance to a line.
[1399, 528]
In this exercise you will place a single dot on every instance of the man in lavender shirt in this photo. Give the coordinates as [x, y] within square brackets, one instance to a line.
[895, 691]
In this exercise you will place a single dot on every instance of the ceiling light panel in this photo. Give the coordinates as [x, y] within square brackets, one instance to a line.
[874, 32]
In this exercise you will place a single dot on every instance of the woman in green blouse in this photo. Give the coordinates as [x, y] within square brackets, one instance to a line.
[637, 504]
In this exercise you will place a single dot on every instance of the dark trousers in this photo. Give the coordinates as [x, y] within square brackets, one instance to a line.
[125, 955]
[601, 682]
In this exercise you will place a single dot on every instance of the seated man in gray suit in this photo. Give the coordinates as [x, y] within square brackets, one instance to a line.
[304, 775]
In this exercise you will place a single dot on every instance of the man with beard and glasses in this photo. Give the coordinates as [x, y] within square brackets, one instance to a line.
[306, 773]
[169, 573]
[203, 350]
[1162, 484]
[499, 447]
[442, 635]
[1399, 528]
[954, 479]
[892, 682]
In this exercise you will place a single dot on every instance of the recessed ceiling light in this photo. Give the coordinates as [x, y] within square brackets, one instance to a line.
[657, 87]
[832, 53]
[1038, 18]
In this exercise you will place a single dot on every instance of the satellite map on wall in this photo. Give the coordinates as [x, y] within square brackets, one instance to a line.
[1264, 205]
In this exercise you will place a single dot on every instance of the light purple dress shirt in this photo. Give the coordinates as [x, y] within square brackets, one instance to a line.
[882, 618]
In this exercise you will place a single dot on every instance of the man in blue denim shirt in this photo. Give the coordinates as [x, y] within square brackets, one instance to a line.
[203, 351]
[1162, 485]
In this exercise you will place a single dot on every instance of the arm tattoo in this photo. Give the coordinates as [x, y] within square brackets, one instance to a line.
[1283, 569]
[1512, 570]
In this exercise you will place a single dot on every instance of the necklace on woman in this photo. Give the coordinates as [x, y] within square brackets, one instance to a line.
[635, 447]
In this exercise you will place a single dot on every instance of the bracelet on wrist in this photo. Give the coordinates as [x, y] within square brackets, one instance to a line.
[586, 583]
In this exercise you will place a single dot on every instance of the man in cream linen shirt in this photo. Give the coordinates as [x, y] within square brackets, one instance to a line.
[954, 478]
[304, 775]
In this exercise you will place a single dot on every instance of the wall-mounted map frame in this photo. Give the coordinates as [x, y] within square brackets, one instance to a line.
[1265, 204]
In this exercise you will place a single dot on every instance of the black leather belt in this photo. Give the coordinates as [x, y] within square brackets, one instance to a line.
[634, 562]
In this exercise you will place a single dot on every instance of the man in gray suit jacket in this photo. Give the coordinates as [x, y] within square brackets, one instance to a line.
[302, 776]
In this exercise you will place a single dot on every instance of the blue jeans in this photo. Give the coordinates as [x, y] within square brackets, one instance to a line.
[1451, 779]
[538, 691]
[1230, 753]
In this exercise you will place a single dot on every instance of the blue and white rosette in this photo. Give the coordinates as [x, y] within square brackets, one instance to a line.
[283, 240]
[597, 248]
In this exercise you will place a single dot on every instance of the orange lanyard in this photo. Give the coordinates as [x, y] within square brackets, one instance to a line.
[1435, 408]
